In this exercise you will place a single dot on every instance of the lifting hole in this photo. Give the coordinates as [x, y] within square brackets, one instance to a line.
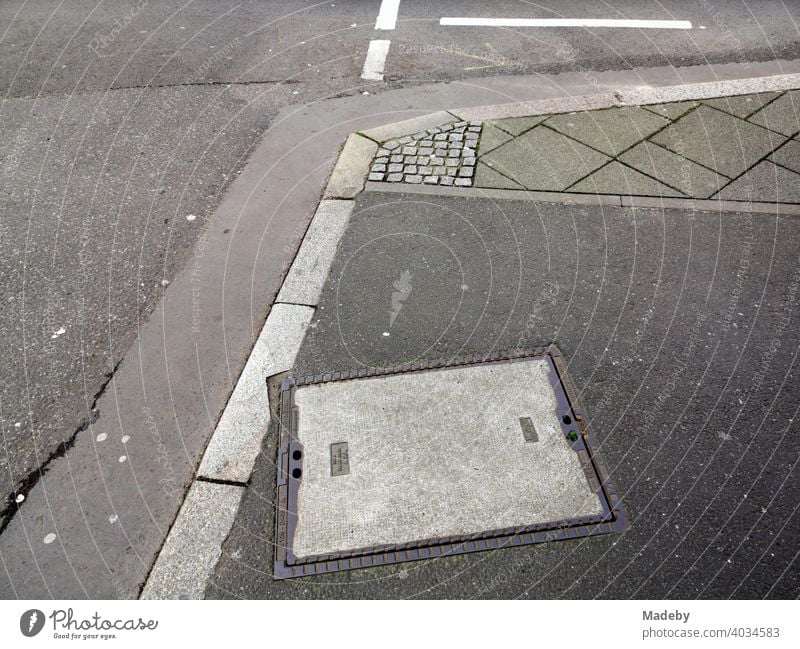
[297, 455]
[296, 473]
[567, 419]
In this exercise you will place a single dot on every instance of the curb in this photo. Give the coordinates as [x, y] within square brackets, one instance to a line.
[193, 546]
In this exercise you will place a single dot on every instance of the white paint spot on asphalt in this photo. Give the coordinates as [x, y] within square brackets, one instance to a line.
[102, 437]
[191, 217]
[113, 518]
[387, 16]
[565, 22]
[49, 538]
[376, 60]
[61, 331]
[122, 458]
[20, 498]
[164, 283]
[125, 439]
[386, 333]
[17, 424]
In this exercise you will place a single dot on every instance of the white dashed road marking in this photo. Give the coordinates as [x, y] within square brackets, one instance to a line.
[376, 59]
[565, 22]
[387, 16]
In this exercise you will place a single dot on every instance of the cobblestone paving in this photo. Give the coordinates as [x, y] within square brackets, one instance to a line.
[443, 155]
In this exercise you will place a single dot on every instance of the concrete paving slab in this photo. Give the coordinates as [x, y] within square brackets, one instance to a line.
[674, 170]
[518, 125]
[544, 159]
[743, 105]
[764, 182]
[434, 454]
[788, 156]
[194, 544]
[612, 130]
[616, 178]
[352, 165]
[672, 110]
[782, 115]
[487, 177]
[310, 267]
[237, 438]
[699, 137]
[491, 138]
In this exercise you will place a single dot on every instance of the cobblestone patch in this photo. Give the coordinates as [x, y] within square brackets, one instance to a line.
[442, 155]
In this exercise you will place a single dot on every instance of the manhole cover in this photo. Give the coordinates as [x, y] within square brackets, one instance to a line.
[432, 459]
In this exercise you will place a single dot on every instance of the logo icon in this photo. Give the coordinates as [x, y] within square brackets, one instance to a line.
[31, 622]
[402, 290]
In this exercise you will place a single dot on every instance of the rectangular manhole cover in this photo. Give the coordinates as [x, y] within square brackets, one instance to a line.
[433, 459]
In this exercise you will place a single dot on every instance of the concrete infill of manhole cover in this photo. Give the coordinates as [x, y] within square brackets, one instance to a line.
[433, 459]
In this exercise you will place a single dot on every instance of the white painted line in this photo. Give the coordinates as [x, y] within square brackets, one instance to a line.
[387, 16]
[376, 59]
[194, 545]
[236, 443]
[566, 22]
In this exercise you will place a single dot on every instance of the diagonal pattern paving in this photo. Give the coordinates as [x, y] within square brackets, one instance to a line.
[737, 148]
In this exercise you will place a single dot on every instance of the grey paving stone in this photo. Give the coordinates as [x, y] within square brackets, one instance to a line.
[455, 137]
[440, 137]
[463, 182]
[440, 170]
[309, 270]
[674, 170]
[409, 150]
[454, 153]
[612, 130]
[406, 139]
[375, 176]
[517, 125]
[674, 110]
[718, 140]
[436, 160]
[414, 179]
[782, 115]
[488, 177]
[442, 153]
[423, 160]
[446, 180]
[425, 150]
[426, 143]
[431, 180]
[466, 172]
[194, 544]
[392, 145]
[382, 160]
[396, 158]
[425, 171]
[394, 168]
[394, 178]
[544, 159]
[468, 162]
[383, 152]
[616, 178]
[765, 182]
[451, 162]
[788, 156]
[410, 169]
[410, 159]
[743, 105]
[378, 167]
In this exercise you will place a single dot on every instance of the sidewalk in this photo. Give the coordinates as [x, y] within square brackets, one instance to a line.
[734, 149]
[674, 320]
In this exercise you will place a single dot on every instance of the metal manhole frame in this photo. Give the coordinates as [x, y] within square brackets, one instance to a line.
[286, 565]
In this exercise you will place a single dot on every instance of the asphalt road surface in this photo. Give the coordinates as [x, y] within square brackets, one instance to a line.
[123, 124]
[673, 327]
